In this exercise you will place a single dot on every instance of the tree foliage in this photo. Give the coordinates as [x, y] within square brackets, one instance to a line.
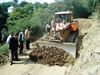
[37, 5]
[21, 12]
[56, 7]
[23, 3]
[45, 5]
[15, 1]
[3, 17]
[37, 15]
[5, 5]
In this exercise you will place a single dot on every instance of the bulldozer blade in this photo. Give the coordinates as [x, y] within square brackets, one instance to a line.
[69, 47]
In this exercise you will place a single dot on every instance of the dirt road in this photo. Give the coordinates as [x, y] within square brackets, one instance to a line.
[87, 61]
[26, 67]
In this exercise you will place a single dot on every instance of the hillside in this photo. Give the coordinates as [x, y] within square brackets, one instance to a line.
[88, 62]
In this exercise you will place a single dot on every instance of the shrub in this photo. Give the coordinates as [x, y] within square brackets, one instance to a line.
[4, 48]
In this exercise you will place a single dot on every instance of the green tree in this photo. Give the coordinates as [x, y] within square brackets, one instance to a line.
[29, 8]
[21, 12]
[3, 18]
[37, 5]
[81, 8]
[23, 3]
[45, 5]
[42, 16]
[5, 5]
[56, 7]
[15, 1]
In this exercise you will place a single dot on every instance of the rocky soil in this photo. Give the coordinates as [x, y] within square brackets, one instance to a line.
[88, 62]
[3, 59]
[51, 56]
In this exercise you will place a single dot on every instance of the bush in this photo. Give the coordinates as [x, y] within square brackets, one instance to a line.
[36, 32]
[4, 48]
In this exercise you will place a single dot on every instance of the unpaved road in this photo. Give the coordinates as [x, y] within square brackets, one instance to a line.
[27, 67]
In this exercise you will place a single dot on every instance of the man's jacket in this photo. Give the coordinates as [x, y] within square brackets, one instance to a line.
[13, 44]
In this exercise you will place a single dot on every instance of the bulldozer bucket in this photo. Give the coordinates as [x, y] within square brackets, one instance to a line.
[69, 47]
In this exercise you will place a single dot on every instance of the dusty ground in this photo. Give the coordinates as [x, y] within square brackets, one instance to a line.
[88, 62]
[27, 67]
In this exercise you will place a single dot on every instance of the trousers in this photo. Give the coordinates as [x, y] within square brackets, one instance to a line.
[13, 54]
[21, 47]
[28, 44]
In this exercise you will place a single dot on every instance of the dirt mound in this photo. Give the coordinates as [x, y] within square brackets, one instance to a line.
[3, 59]
[84, 25]
[51, 56]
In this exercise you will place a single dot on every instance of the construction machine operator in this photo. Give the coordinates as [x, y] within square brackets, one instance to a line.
[58, 28]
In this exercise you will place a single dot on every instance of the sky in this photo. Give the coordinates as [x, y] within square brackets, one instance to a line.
[48, 1]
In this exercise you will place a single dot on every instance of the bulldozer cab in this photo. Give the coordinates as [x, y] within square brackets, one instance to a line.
[63, 23]
[64, 16]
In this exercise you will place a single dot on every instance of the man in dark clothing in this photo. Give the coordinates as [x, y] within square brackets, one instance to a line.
[21, 41]
[13, 46]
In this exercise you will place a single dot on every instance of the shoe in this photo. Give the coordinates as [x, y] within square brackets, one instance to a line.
[14, 59]
[28, 48]
[17, 59]
[11, 63]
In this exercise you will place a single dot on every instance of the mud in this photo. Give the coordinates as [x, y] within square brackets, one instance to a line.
[51, 56]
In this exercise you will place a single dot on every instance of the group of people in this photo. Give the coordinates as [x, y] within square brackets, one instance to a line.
[17, 41]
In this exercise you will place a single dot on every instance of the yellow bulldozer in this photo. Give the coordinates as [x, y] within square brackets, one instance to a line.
[65, 32]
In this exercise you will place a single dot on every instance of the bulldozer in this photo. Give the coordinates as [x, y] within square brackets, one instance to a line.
[68, 33]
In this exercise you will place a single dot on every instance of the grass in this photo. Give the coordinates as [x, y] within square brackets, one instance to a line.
[4, 48]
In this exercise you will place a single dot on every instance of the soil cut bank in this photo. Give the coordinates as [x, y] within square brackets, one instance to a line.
[88, 62]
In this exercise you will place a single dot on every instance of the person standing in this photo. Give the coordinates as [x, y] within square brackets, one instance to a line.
[13, 46]
[27, 36]
[53, 27]
[8, 38]
[8, 42]
[21, 41]
[47, 28]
